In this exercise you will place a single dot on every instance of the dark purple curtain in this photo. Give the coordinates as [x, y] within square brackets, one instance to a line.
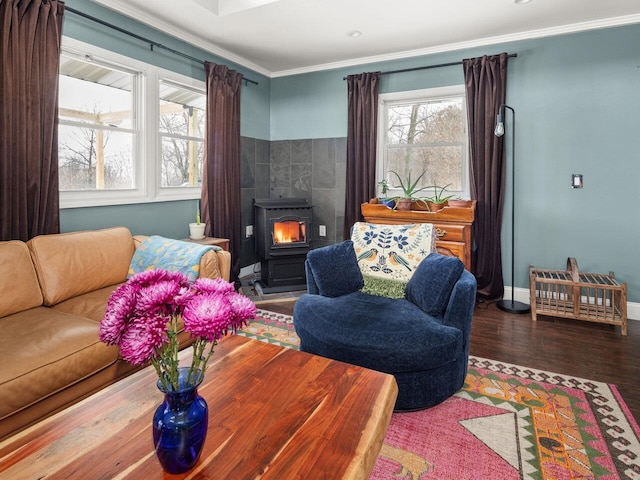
[486, 86]
[221, 206]
[361, 144]
[30, 35]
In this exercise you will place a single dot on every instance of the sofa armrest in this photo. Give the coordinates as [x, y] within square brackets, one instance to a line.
[213, 264]
[216, 264]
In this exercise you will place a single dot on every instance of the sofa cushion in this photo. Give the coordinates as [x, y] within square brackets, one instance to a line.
[88, 305]
[43, 351]
[389, 254]
[335, 269]
[18, 280]
[70, 264]
[431, 285]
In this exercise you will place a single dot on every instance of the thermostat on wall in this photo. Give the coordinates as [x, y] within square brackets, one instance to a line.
[576, 180]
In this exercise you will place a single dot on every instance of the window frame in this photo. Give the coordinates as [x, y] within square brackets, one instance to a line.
[415, 96]
[147, 146]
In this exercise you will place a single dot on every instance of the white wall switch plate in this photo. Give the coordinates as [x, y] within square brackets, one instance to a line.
[322, 230]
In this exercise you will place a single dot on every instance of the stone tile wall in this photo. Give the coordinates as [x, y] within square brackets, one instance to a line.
[313, 169]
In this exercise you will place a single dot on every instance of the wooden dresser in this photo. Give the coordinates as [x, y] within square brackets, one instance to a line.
[453, 225]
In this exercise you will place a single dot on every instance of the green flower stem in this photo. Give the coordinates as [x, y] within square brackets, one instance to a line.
[166, 359]
[199, 362]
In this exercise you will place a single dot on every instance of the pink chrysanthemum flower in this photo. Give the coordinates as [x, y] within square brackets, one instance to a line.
[142, 338]
[213, 285]
[151, 277]
[243, 310]
[120, 307]
[159, 298]
[207, 316]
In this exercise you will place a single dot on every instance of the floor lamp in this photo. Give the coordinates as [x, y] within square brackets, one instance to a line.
[511, 306]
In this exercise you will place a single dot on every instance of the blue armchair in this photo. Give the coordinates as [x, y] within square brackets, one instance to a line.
[422, 339]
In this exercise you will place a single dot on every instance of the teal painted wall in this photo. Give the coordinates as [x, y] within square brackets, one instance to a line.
[169, 219]
[577, 103]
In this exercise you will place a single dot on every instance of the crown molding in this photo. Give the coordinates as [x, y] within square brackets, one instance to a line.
[120, 6]
[483, 42]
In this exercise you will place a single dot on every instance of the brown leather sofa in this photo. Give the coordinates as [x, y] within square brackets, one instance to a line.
[53, 293]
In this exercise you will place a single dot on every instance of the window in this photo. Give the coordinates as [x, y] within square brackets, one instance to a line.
[128, 132]
[182, 115]
[97, 131]
[424, 131]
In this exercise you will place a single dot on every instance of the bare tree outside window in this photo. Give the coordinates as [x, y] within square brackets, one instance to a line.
[182, 123]
[427, 136]
[96, 137]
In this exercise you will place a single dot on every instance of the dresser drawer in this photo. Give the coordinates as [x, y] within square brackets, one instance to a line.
[450, 233]
[452, 249]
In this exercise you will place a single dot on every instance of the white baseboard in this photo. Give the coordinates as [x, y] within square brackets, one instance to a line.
[522, 295]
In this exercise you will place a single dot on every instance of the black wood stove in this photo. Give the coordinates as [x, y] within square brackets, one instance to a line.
[282, 236]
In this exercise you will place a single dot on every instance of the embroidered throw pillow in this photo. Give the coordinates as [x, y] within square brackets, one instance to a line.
[389, 254]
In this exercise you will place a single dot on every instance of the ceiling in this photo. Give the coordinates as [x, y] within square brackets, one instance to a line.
[284, 37]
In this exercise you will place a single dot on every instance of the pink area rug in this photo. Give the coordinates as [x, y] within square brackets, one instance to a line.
[508, 422]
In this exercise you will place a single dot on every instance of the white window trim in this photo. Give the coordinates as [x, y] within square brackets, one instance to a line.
[148, 150]
[423, 94]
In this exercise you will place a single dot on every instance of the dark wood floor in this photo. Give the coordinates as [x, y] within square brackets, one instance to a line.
[580, 349]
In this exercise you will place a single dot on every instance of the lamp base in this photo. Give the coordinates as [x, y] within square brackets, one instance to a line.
[512, 306]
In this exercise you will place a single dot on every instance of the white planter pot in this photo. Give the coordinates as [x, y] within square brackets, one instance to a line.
[196, 231]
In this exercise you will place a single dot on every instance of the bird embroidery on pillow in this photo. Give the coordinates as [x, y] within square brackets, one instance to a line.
[396, 259]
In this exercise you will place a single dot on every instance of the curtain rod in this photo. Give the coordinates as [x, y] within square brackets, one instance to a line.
[511, 55]
[151, 43]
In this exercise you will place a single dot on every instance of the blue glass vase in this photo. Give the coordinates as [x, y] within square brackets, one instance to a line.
[180, 425]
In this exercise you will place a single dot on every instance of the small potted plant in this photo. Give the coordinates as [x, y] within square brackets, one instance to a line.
[459, 202]
[196, 230]
[384, 188]
[438, 201]
[409, 190]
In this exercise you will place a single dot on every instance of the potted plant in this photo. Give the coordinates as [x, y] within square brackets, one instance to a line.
[438, 201]
[459, 202]
[409, 190]
[196, 230]
[384, 188]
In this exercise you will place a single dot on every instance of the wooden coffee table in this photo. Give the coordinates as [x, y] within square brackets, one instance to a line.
[274, 413]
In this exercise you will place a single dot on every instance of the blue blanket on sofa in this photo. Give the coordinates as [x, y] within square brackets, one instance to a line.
[168, 254]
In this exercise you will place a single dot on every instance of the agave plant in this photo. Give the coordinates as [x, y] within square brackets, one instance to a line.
[438, 194]
[409, 188]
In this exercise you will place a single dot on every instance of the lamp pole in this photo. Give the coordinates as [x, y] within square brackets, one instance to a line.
[511, 306]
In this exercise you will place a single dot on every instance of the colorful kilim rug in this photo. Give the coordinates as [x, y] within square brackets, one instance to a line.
[507, 422]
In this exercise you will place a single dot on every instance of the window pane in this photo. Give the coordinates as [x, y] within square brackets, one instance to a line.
[182, 124]
[92, 93]
[443, 166]
[91, 159]
[181, 162]
[426, 122]
[426, 135]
